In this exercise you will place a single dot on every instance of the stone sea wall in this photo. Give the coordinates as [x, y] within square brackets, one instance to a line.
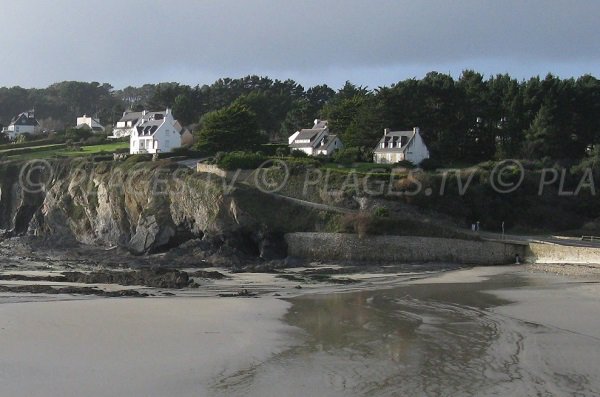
[554, 253]
[349, 247]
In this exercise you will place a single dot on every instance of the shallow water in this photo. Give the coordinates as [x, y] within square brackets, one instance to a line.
[431, 339]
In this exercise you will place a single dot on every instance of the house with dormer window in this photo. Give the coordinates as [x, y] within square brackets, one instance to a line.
[155, 132]
[397, 146]
[126, 124]
[315, 141]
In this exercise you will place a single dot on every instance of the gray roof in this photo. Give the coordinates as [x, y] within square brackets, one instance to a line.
[328, 140]
[148, 124]
[309, 133]
[25, 118]
[395, 136]
[130, 116]
[301, 145]
[149, 127]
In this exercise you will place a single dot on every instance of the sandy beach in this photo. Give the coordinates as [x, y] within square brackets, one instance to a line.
[482, 331]
[134, 347]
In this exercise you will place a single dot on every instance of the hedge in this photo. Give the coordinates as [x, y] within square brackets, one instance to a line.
[241, 160]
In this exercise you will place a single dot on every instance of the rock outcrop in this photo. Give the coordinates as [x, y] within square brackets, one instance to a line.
[146, 207]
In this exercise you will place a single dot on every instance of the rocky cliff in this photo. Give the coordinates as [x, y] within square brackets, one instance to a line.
[146, 207]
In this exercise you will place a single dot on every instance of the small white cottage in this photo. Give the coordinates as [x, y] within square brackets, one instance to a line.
[315, 141]
[155, 132]
[397, 146]
[89, 122]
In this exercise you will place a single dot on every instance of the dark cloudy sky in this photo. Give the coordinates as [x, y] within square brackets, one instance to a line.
[373, 43]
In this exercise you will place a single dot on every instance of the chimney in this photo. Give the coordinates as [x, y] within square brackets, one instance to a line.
[386, 131]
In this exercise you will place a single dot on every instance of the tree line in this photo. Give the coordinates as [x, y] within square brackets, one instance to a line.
[467, 119]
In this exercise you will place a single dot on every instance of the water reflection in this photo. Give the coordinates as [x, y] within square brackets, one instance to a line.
[435, 340]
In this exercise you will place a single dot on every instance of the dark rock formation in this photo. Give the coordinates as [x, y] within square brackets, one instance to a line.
[150, 207]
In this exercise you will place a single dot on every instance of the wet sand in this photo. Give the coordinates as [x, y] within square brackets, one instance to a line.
[499, 331]
[483, 331]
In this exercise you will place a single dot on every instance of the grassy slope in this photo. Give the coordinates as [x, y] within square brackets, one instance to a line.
[86, 151]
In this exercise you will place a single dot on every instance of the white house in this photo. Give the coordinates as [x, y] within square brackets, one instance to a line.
[24, 123]
[89, 122]
[155, 132]
[315, 141]
[396, 146]
[126, 125]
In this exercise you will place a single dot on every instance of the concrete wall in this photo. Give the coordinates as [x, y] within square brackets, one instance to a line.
[349, 247]
[554, 253]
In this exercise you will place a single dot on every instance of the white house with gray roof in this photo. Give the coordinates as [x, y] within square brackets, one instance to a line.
[155, 132]
[24, 123]
[315, 141]
[397, 146]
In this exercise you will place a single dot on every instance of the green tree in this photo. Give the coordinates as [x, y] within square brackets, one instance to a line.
[78, 134]
[544, 136]
[229, 129]
[183, 109]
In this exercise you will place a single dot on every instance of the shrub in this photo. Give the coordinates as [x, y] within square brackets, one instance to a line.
[301, 163]
[282, 151]
[240, 160]
[135, 159]
[218, 157]
[298, 153]
[347, 155]
[78, 134]
[430, 164]
[22, 138]
[381, 212]
[181, 151]
[98, 139]
[405, 164]
[273, 149]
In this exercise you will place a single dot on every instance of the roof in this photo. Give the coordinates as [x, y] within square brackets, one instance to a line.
[328, 140]
[309, 133]
[130, 116]
[149, 127]
[395, 136]
[320, 124]
[25, 118]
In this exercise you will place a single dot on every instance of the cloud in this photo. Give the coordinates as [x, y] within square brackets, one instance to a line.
[132, 41]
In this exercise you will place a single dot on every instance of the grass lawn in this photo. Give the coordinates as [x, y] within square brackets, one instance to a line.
[360, 167]
[8, 150]
[64, 152]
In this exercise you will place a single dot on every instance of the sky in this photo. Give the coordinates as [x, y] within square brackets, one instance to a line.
[371, 43]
